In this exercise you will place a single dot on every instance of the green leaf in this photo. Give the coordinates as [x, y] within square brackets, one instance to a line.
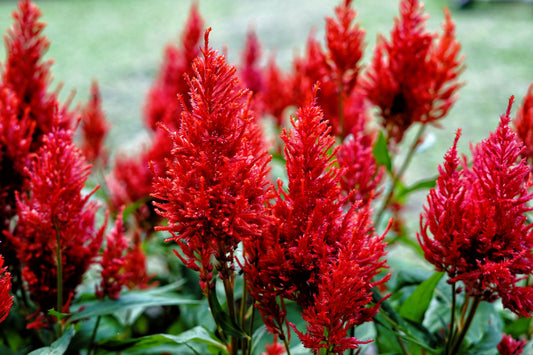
[223, 320]
[197, 334]
[58, 347]
[381, 152]
[417, 303]
[424, 184]
[148, 298]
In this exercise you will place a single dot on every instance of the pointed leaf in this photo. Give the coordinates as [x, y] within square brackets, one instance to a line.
[417, 303]
[223, 320]
[381, 152]
[58, 347]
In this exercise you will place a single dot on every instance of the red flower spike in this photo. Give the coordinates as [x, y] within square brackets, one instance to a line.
[315, 246]
[135, 266]
[54, 208]
[113, 262]
[215, 187]
[28, 76]
[162, 104]
[524, 124]
[510, 346]
[250, 73]
[413, 78]
[275, 348]
[276, 94]
[476, 217]
[94, 128]
[6, 301]
[362, 174]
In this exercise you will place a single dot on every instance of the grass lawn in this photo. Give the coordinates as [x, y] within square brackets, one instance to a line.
[120, 43]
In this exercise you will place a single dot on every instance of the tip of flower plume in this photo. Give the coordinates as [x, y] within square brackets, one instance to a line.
[508, 112]
[206, 38]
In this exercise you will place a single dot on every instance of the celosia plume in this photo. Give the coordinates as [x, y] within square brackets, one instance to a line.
[53, 216]
[474, 226]
[6, 301]
[414, 77]
[316, 254]
[114, 274]
[214, 190]
[524, 124]
[162, 104]
[510, 346]
[94, 128]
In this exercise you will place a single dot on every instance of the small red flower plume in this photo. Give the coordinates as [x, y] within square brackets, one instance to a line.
[414, 77]
[510, 346]
[28, 76]
[6, 301]
[114, 275]
[524, 124]
[94, 128]
[53, 215]
[162, 104]
[250, 71]
[213, 192]
[474, 226]
[316, 253]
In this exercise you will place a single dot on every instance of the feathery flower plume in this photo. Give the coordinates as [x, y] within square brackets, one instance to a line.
[162, 104]
[510, 346]
[250, 73]
[214, 190]
[414, 77]
[28, 76]
[6, 301]
[316, 254]
[94, 128]
[524, 124]
[474, 225]
[114, 275]
[55, 220]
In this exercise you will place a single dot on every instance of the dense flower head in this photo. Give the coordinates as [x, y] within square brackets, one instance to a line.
[315, 245]
[510, 346]
[53, 211]
[276, 91]
[414, 77]
[6, 301]
[162, 104]
[474, 226]
[523, 123]
[214, 190]
[28, 75]
[94, 128]
[113, 262]
[250, 72]
[362, 174]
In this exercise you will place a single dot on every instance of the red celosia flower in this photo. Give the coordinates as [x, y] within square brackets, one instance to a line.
[413, 78]
[475, 227]
[94, 128]
[316, 245]
[114, 275]
[510, 346]
[362, 174]
[214, 190]
[250, 72]
[28, 76]
[162, 104]
[276, 93]
[274, 349]
[6, 301]
[524, 124]
[135, 266]
[53, 211]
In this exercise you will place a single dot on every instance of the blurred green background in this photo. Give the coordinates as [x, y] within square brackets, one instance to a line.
[121, 42]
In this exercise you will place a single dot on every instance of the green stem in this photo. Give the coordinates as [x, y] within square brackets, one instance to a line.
[452, 333]
[464, 329]
[398, 176]
[93, 335]
[59, 258]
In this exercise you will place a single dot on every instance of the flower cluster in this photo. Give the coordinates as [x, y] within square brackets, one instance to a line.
[56, 225]
[94, 128]
[6, 301]
[413, 78]
[474, 226]
[524, 124]
[214, 190]
[316, 253]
